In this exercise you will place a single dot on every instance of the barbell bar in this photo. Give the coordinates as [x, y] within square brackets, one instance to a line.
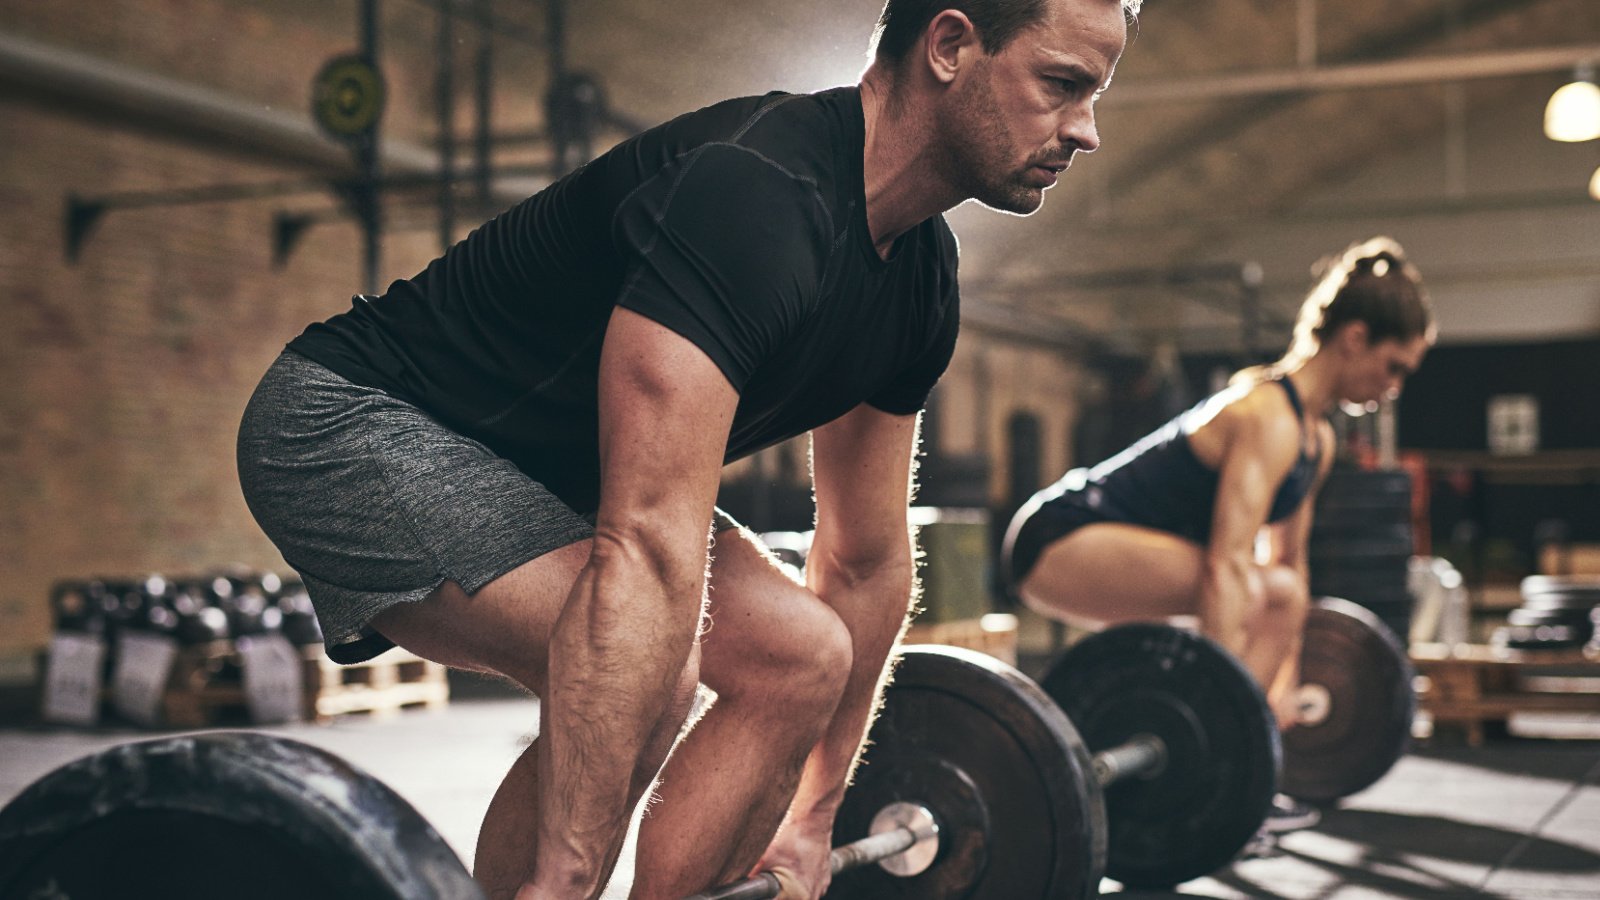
[910, 826]
[906, 827]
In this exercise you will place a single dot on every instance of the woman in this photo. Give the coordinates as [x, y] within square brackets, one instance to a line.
[1170, 526]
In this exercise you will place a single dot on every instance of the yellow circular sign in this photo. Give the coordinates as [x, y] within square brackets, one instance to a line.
[347, 96]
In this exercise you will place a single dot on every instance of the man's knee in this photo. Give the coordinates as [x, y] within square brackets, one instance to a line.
[803, 658]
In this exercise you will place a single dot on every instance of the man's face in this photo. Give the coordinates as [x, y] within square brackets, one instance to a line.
[1018, 116]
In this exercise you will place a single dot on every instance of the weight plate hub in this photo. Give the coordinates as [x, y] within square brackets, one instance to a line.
[1200, 810]
[1358, 666]
[1007, 778]
[227, 814]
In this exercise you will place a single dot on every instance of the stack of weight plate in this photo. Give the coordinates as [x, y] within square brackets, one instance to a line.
[1361, 547]
[1556, 612]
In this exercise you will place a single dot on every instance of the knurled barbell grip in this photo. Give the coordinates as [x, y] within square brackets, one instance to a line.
[1143, 753]
[870, 849]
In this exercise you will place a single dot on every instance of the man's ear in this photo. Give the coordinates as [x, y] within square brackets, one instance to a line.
[949, 33]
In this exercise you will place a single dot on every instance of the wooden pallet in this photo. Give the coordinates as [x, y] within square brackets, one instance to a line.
[994, 634]
[1478, 688]
[205, 689]
[382, 686]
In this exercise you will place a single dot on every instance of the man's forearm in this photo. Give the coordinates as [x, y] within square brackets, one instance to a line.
[874, 610]
[615, 657]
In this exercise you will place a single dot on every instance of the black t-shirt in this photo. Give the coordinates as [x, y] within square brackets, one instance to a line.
[741, 227]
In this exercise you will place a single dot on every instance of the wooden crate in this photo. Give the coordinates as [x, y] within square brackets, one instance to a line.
[994, 634]
[205, 689]
[1471, 686]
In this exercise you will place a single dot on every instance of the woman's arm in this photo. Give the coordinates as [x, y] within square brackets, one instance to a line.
[1260, 440]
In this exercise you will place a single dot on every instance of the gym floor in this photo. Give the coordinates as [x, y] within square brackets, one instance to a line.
[1518, 818]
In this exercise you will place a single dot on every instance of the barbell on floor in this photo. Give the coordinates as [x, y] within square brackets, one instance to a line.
[1210, 747]
[912, 822]
[971, 767]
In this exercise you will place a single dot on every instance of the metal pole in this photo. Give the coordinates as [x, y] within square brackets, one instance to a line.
[367, 196]
[560, 132]
[445, 87]
[484, 100]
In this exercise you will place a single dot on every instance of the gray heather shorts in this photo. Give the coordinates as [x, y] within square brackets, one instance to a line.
[375, 503]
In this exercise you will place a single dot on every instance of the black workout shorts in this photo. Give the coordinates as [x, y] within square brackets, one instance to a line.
[1037, 525]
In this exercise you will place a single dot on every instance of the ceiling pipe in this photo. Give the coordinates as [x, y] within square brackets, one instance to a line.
[154, 102]
[1417, 70]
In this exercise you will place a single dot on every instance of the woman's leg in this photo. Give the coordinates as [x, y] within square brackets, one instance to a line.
[1106, 573]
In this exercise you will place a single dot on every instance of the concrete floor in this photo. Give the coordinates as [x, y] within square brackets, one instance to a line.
[1519, 818]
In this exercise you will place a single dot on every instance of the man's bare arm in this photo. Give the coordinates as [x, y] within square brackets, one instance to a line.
[627, 629]
[861, 566]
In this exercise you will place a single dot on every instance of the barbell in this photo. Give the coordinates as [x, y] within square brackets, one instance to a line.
[1185, 774]
[975, 784]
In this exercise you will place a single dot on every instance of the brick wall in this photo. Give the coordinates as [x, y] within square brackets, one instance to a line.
[122, 376]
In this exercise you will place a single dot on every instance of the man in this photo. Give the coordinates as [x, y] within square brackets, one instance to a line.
[509, 462]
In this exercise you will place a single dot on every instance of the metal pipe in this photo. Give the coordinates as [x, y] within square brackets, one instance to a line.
[1419, 70]
[368, 195]
[484, 97]
[157, 103]
[445, 91]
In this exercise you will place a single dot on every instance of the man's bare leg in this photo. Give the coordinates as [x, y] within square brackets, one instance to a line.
[778, 659]
[505, 629]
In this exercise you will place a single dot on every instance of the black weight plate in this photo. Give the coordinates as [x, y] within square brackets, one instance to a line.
[1368, 489]
[1535, 617]
[1353, 656]
[225, 814]
[1359, 526]
[1542, 637]
[1574, 586]
[1004, 773]
[1223, 750]
[1559, 602]
[1335, 519]
[1359, 548]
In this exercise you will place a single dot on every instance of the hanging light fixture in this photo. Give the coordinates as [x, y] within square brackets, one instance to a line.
[1594, 185]
[1573, 113]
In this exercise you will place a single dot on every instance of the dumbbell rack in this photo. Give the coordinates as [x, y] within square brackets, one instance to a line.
[201, 694]
[1478, 687]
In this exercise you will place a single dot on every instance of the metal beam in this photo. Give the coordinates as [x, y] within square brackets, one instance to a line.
[153, 102]
[1417, 70]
